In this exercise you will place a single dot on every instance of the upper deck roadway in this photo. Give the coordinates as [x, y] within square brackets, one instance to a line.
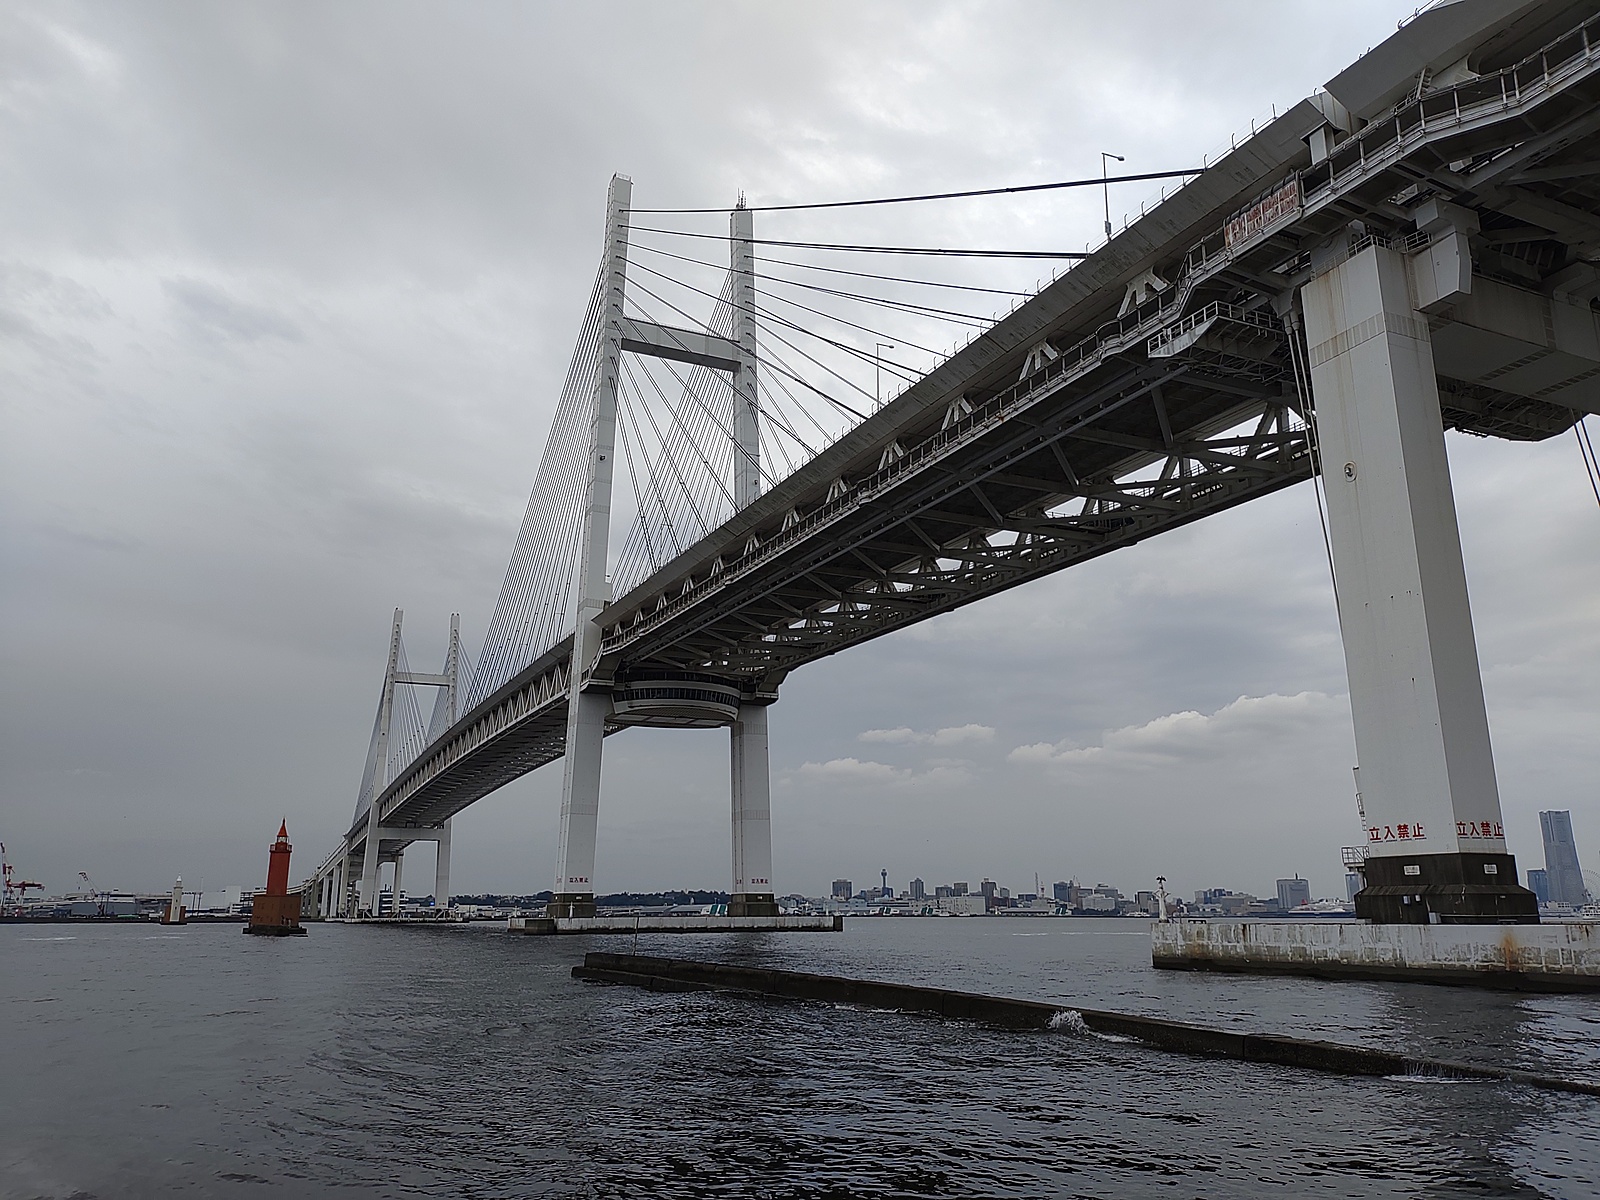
[1152, 385]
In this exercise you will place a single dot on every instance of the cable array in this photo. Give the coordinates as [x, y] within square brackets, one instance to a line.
[832, 343]
[1591, 464]
[537, 600]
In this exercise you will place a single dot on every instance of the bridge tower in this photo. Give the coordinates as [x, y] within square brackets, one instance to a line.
[1429, 801]
[360, 857]
[595, 697]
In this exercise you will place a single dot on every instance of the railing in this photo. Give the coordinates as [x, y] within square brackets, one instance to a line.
[1454, 106]
[1211, 312]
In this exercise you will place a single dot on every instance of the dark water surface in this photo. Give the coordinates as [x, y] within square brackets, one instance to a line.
[374, 1061]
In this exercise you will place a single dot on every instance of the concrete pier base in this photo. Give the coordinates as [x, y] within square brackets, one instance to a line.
[665, 924]
[1556, 957]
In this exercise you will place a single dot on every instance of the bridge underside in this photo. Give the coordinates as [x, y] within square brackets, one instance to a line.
[1161, 381]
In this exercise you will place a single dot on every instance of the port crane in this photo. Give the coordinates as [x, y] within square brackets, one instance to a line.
[100, 898]
[15, 891]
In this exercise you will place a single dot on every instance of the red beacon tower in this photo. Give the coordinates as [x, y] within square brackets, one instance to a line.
[276, 911]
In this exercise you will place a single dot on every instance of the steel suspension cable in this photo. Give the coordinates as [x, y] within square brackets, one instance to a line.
[1017, 189]
[788, 262]
[927, 251]
[1591, 464]
[784, 368]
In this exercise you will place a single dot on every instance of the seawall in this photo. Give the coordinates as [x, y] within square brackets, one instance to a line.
[1555, 957]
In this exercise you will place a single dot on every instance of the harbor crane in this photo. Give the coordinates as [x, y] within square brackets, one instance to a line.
[15, 891]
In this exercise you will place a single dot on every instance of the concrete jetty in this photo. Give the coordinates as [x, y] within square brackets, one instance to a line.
[681, 975]
[1550, 957]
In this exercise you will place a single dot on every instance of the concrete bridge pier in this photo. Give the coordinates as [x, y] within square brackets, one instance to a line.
[1428, 797]
[752, 894]
[441, 869]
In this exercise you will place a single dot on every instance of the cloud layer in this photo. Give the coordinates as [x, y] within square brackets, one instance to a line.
[287, 295]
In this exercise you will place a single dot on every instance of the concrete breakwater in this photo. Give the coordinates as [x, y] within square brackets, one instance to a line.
[1554, 957]
[678, 975]
[663, 923]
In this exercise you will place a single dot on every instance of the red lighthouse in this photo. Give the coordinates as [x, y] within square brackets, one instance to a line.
[277, 910]
[278, 863]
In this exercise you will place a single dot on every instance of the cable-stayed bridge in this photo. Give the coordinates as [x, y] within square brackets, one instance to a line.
[1411, 249]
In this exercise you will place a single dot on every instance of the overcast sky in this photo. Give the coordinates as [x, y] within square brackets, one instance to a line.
[287, 292]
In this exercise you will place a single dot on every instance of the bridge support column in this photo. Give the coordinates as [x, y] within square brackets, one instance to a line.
[1428, 795]
[589, 706]
[441, 869]
[752, 894]
[580, 805]
[370, 865]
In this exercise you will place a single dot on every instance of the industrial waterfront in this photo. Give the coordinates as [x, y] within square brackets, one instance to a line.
[364, 1061]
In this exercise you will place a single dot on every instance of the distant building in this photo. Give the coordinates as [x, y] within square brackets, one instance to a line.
[1539, 884]
[917, 890]
[1063, 891]
[943, 890]
[1564, 877]
[1146, 902]
[958, 889]
[1212, 895]
[843, 889]
[1353, 884]
[987, 887]
[963, 905]
[1095, 902]
[1234, 904]
[1292, 893]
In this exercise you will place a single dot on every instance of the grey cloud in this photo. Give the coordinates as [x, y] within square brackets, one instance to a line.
[291, 288]
[212, 310]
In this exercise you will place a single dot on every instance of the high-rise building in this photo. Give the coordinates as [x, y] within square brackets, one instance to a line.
[1062, 891]
[1564, 875]
[843, 889]
[917, 890]
[1539, 884]
[884, 891]
[1292, 893]
[987, 887]
[958, 888]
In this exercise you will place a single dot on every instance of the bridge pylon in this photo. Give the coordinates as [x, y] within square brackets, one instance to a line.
[597, 698]
[1436, 849]
[347, 883]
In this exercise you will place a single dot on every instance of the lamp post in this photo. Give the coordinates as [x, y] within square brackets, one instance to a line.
[877, 371]
[1105, 186]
